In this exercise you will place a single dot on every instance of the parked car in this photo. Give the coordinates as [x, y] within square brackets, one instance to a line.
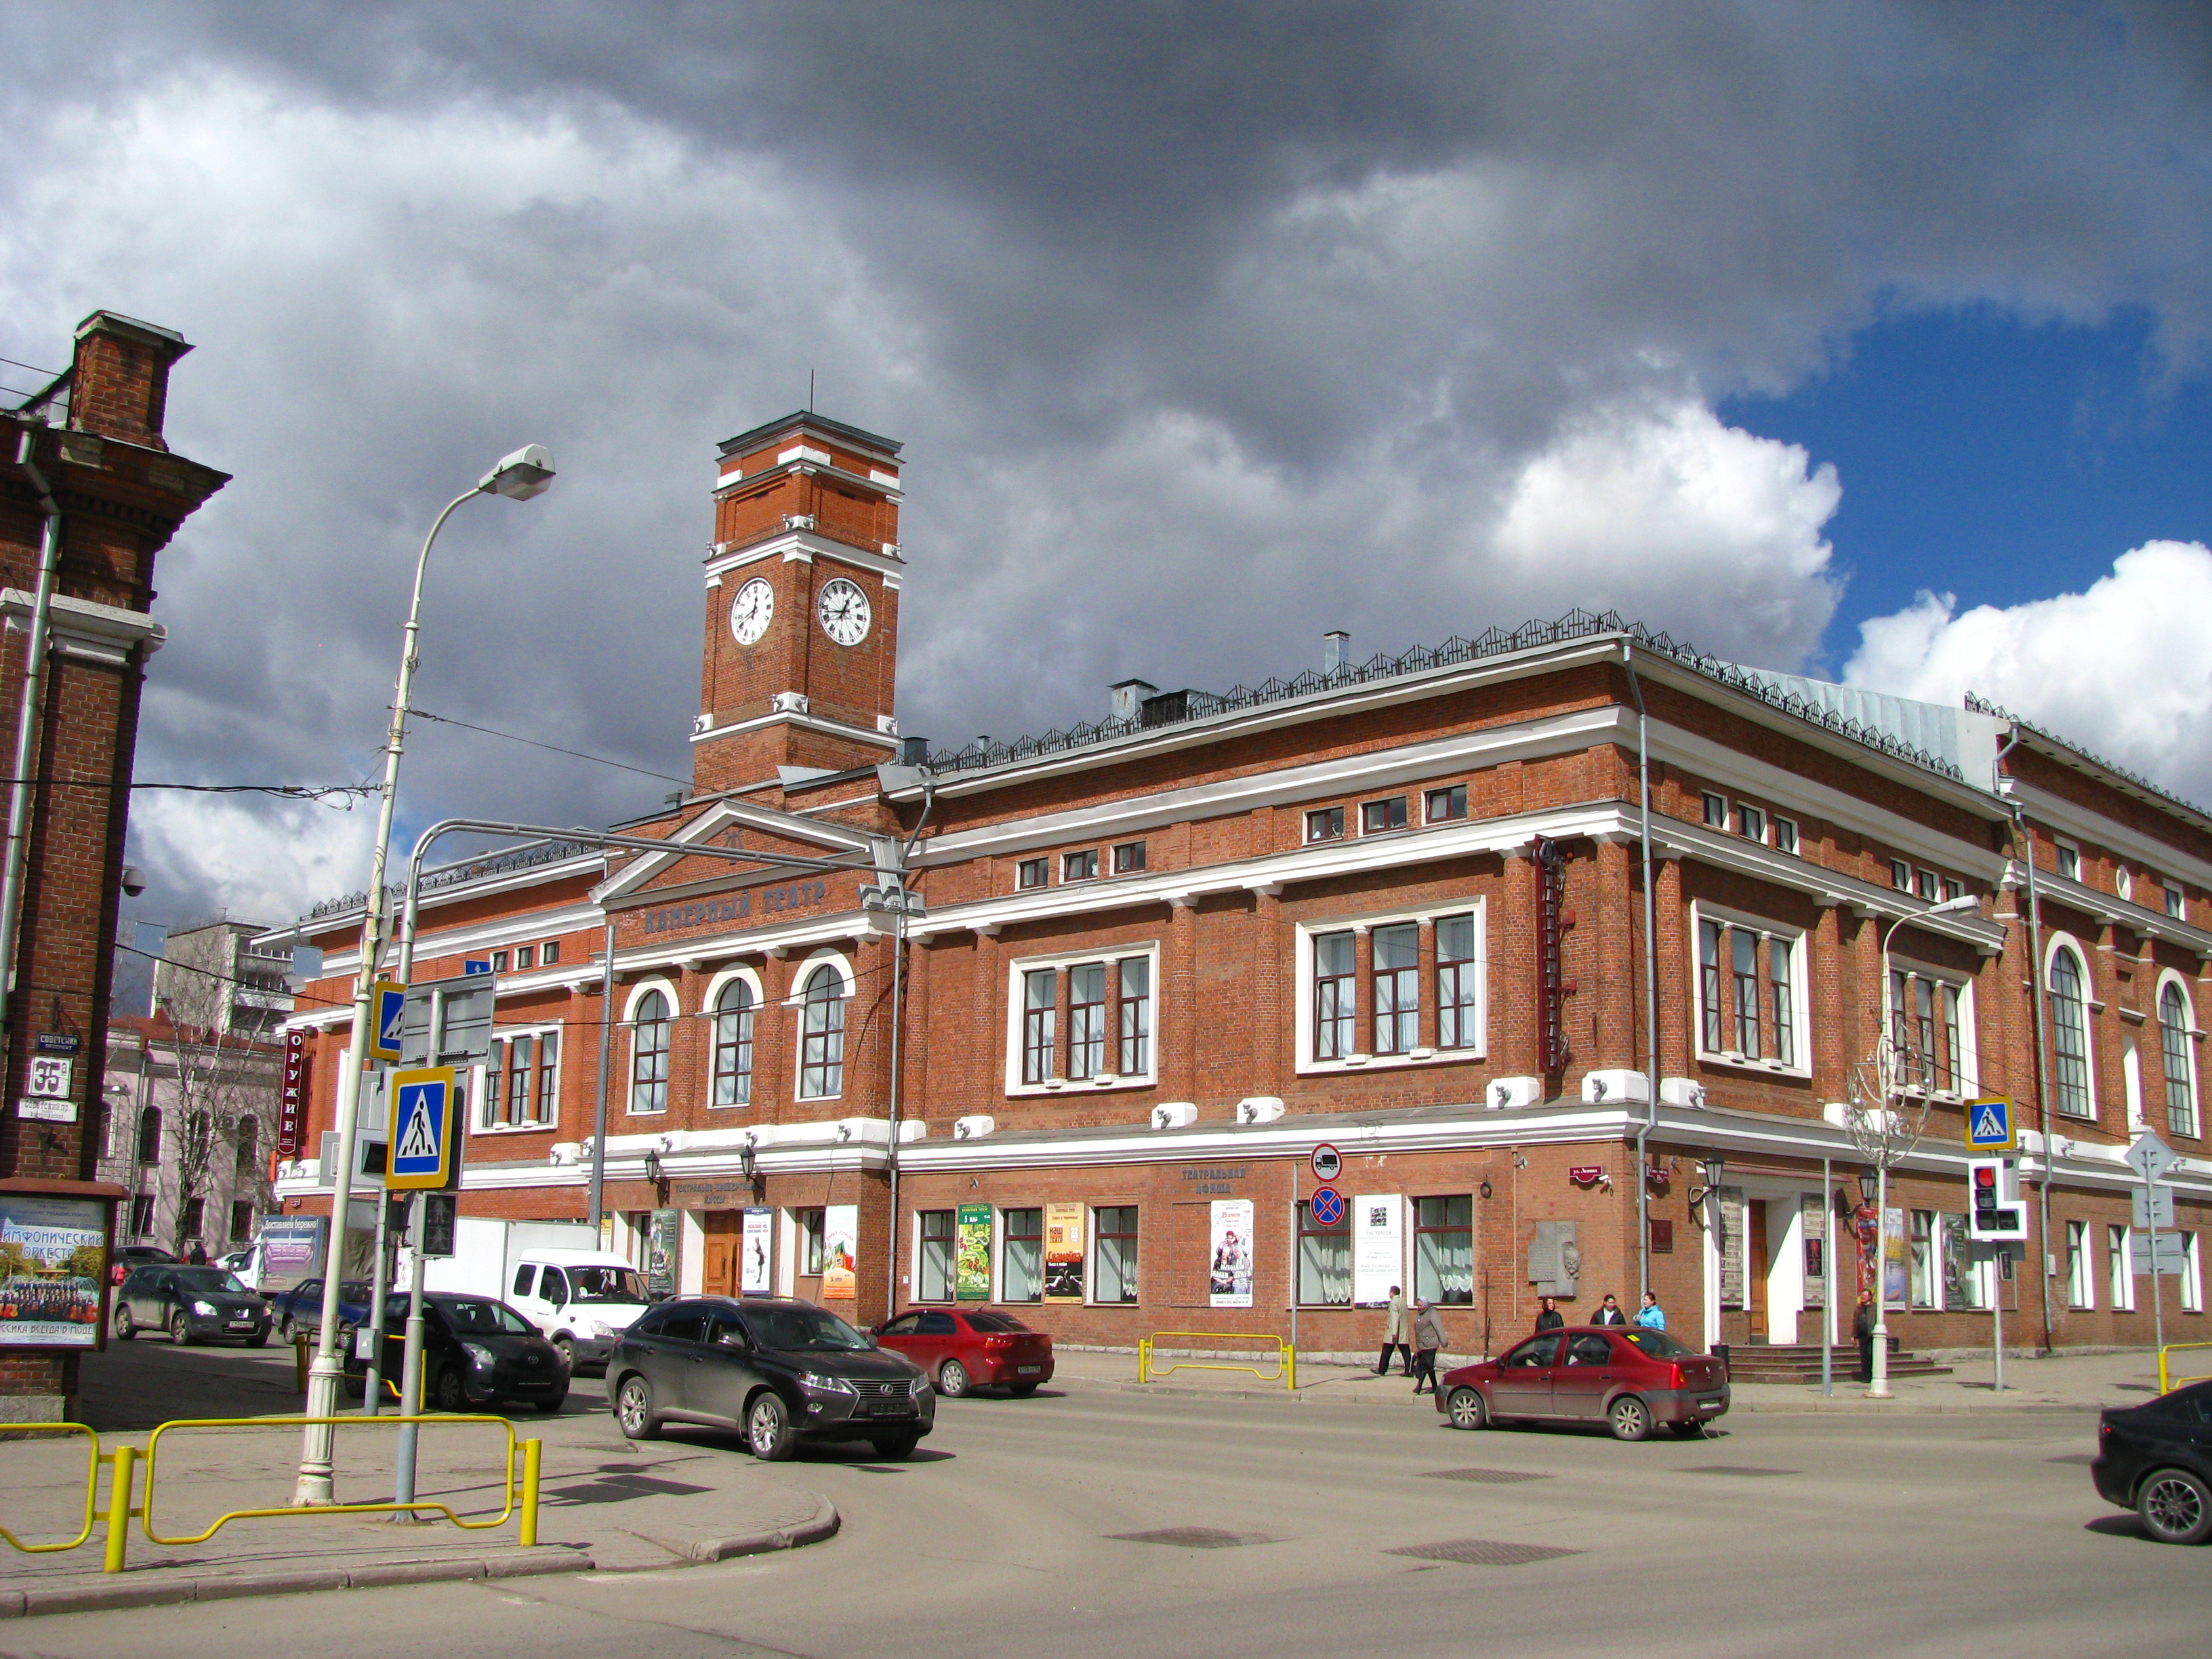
[477, 1352]
[963, 1350]
[300, 1308]
[780, 1372]
[192, 1304]
[1622, 1375]
[127, 1256]
[2156, 1459]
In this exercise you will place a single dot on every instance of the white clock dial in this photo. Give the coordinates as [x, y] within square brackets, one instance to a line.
[752, 611]
[844, 611]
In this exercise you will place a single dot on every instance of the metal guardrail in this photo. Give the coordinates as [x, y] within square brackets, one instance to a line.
[2165, 1383]
[95, 1457]
[1285, 1356]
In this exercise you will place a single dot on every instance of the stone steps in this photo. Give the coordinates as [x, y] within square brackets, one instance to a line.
[1800, 1362]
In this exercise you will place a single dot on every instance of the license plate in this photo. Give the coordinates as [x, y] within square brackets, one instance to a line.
[241, 1324]
[1027, 1370]
[890, 1408]
[1711, 1404]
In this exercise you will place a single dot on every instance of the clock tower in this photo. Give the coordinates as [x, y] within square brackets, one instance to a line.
[801, 644]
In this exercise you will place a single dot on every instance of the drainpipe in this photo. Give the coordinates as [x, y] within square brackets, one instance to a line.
[27, 722]
[606, 1059]
[1650, 979]
[2026, 836]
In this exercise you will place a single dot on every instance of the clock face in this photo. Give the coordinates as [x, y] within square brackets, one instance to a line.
[844, 611]
[752, 611]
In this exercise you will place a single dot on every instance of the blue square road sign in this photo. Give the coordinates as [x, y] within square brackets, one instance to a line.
[1989, 1126]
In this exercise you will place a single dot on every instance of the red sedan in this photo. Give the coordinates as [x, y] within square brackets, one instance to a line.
[964, 1350]
[1622, 1375]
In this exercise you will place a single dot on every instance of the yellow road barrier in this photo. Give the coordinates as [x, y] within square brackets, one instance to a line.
[1286, 1356]
[93, 1460]
[2165, 1383]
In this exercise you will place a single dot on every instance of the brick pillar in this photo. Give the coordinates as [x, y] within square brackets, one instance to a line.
[1270, 1033]
[1176, 1016]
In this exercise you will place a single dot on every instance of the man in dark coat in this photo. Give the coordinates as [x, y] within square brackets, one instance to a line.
[1549, 1318]
[1609, 1313]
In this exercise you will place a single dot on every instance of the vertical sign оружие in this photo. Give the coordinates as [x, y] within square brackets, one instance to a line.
[971, 1264]
[292, 1103]
[1063, 1253]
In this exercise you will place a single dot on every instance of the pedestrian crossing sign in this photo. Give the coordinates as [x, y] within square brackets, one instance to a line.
[1989, 1126]
[388, 999]
[424, 1114]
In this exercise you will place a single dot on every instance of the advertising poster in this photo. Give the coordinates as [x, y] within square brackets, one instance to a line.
[1063, 1253]
[753, 1272]
[1813, 1210]
[664, 1245]
[1229, 1284]
[841, 1240]
[291, 1251]
[1895, 1283]
[1378, 1247]
[971, 1267]
[53, 1253]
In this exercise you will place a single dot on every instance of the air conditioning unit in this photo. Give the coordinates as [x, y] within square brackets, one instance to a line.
[1612, 1088]
[1682, 1091]
[1501, 1092]
[1175, 1114]
[1259, 1108]
[972, 1128]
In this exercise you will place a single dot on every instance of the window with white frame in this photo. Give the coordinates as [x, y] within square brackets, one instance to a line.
[1350, 1011]
[1081, 1019]
[1324, 1260]
[2068, 858]
[1135, 974]
[1751, 823]
[1785, 835]
[1396, 982]
[1040, 1025]
[1079, 867]
[1086, 1020]
[1927, 884]
[1928, 1030]
[1336, 1002]
[2178, 1045]
[2070, 1031]
[821, 1034]
[1377, 815]
[649, 1019]
[1751, 991]
[2123, 881]
[1325, 824]
[1021, 1256]
[735, 1007]
[1032, 873]
[1716, 809]
[1901, 875]
[2192, 1276]
[933, 1279]
[1114, 1252]
[2119, 1268]
[2080, 1272]
[1459, 1009]
[521, 1085]
[1442, 805]
[1968, 1282]
[2174, 905]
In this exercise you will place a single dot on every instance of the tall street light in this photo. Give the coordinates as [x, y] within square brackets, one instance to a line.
[526, 473]
[1888, 1150]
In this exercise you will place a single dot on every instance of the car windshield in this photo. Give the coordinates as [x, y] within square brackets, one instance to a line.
[801, 1330]
[607, 1285]
[210, 1279]
[484, 1319]
[1657, 1343]
[995, 1321]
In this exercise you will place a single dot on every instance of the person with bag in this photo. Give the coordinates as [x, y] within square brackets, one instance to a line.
[1394, 1333]
[1428, 1340]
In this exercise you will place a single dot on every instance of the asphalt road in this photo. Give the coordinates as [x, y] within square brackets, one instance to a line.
[1782, 1536]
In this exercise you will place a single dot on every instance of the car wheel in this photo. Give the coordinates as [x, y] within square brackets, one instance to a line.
[180, 1329]
[1630, 1418]
[1694, 1431]
[566, 1347]
[284, 1328]
[2176, 1507]
[548, 1407]
[633, 1410]
[1464, 1408]
[952, 1379]
[449, 1393]
[355, 1386]
[892, 1447]
[767, 1428]
[260, 1339]
[1023, 1390]
[125, 1326]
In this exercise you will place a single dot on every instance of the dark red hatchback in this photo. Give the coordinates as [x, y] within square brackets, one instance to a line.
[1622, 1375]
[963, 1351]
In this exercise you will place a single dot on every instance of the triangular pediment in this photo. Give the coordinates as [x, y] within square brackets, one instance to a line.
[784, 841]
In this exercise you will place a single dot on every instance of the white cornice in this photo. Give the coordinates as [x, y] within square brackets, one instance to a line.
[2050, 811]
[806, 544]
[805, 722]
[831, 837]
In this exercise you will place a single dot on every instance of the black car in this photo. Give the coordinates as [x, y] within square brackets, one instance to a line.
[2156, 1459]
[777, 1371]
[475, 1353]
[124, 1257]
[192, 1304]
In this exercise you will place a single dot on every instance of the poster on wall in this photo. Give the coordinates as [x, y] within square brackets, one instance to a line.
[1229, 1283]
[1815, 1227]
[53, 1254]
[1063, 1253]
[753, 1272]
[971, 1264]
[1895, 1281]
[1732, 1226]
[840, 1231]
[1378, 1247]
[663, 1246]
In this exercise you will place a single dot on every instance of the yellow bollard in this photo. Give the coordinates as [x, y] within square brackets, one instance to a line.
[118, 1507]
[533, 1451]
[1291, 1368]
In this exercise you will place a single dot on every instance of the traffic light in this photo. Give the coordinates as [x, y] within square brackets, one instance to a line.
[1994, 1210]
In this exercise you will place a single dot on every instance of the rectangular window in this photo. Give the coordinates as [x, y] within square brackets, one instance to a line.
[2080, 1272]
[521, 1081]
[1021, 1260]
[1032, 873]
[1325, 824]
[548, 954]
[1397, 956]
[241, 1221]
[1953, 890]
[499, 962]
[1444, 1249]
[1901, 875]
[2070, 859]
[1335, 1029]
[1749, 980]
[1921, 1278]
[195, 1213]
[813, 1248]
[734, 1045]
[1324, 1260]
[1114, 1255]
[1746, 976]
[2119, 1270]
[549, 1077]
[1781, 997]
[1040, 1017]
[932, 1280]
[142, 1215]
[1716, 814]
[2069, 1034]
[1079, 867]
[1785, 836]
[1136, 1016]
[494, 1088]
[2174, 906]
[526, 956]
[1087, 1020]
[1927, 886]
[1709, 975]
[1128, 858]
[1459, 1016]
[521, 1053]
[1379, 815]
[1441, 805]
[1751, 823]
[2192, 1276]
[2173, 1040]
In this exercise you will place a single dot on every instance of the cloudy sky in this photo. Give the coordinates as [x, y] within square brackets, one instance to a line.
[1865, 341]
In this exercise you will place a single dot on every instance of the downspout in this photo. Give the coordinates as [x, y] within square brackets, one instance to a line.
[27, 720]
[1650, 980]
[898, 1021]
[606, 1059]
[2042, 1045]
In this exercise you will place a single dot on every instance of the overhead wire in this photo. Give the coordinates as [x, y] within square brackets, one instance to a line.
[553, 748]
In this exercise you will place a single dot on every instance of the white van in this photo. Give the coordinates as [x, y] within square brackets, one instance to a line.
[584, 1300]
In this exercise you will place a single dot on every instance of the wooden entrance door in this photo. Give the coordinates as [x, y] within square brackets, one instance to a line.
[725, 1238]
[1756, 1267]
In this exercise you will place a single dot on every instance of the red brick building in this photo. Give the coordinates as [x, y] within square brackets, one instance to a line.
[1395, 908]
[89, 493]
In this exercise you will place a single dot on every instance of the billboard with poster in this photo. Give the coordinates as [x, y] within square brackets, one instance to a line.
[971, 1263]
[753, 1271]
[53, 1255]
[1378, 1247]
[1063, 1253]
[841, 1253]
[1896, 1281]
[1229, 1283]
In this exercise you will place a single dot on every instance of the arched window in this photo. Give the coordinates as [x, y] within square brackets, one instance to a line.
[733, 1044]
[2069, 1034]
[2180, 1075]
[648, 1051]
[249, 1144]
[149, 1135]
[822, 1049]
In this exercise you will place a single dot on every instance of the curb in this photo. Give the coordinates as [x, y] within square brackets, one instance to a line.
[36, 1602]
[822, 1523]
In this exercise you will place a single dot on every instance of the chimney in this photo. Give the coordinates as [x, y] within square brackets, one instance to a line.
[119, 385]
[1129, 696]
[913, 752]
[1335, 650]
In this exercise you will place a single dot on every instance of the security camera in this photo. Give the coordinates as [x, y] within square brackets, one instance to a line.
[134, 880]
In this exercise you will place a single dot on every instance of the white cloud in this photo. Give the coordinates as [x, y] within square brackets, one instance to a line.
[260, 859]
[2121, 669]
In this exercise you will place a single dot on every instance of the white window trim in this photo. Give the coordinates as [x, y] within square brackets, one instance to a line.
[1302, 1032]
[2081, 1266]
[2192, 1275]
[2065, 941]
[797, 1002]
[637, 995]
[2060, 844]
[1090, 1242]
[2123, 882]
[1800, 998]
[1429, 789]
[1970, 1059]
[722, 981]
[1774, 821]
[480, 1076]
[2193, 1033]
[1149, 1078]
[1361, 828]
[2120, 1268]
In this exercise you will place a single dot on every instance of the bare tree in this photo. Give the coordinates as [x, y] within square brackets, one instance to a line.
[225, 1088]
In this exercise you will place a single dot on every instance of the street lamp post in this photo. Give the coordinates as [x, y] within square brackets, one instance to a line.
[526, 473]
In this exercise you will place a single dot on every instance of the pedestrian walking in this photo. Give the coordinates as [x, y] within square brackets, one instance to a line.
[1395, 1330]
[1548, 1318]
[1609, 1312]
[1863, 1328]
[1651, 1316]
[1428, 1338]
